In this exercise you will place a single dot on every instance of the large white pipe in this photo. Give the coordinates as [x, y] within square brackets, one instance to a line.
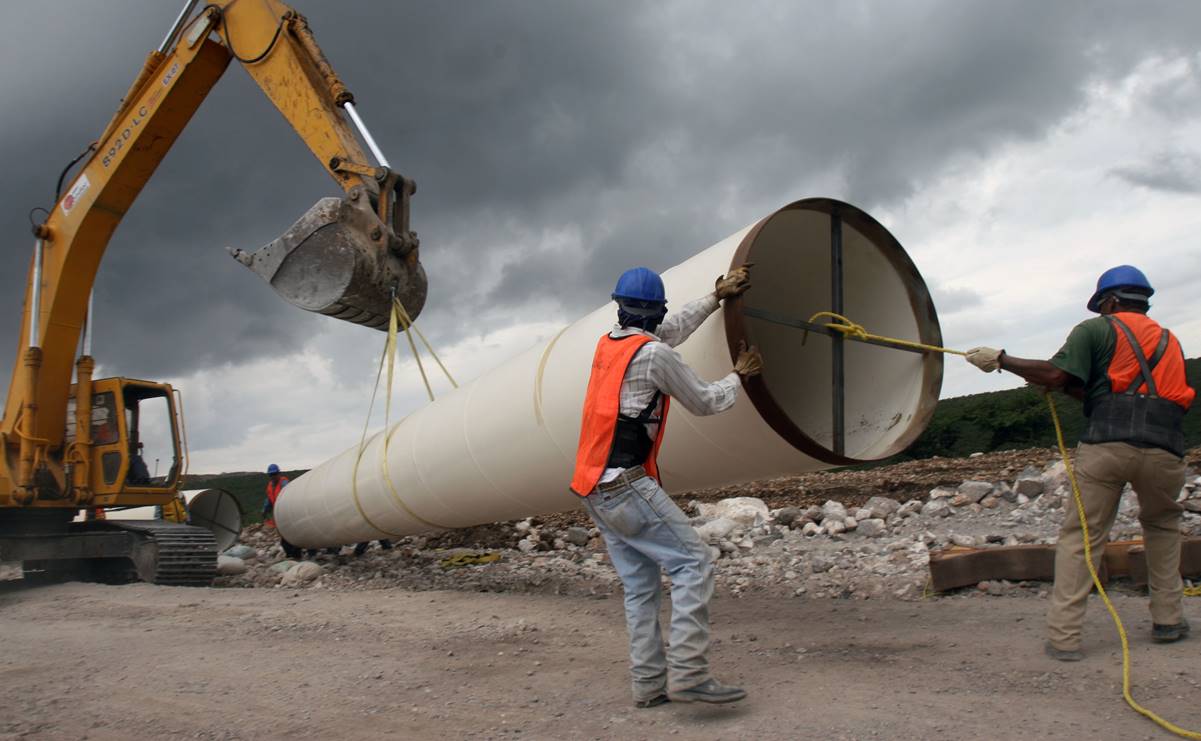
[503, 446]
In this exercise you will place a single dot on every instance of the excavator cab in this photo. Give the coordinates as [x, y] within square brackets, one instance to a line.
[135, 450]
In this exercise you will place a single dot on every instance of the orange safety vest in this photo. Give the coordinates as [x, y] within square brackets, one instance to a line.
[1169, 375]
[602, 404]
[274, 490]
[273, 494]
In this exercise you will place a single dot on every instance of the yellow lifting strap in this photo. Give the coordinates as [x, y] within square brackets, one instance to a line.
[399, 318]
[856, 331]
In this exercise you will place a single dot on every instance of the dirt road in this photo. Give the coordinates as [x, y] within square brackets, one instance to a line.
[139, 661]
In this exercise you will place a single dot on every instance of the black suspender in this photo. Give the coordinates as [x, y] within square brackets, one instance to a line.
[1145, 367]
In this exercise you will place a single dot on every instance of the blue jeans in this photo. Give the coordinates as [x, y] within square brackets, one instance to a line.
[646, 532]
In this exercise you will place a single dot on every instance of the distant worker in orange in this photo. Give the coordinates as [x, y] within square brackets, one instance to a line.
[1129, 371]
[276, 482]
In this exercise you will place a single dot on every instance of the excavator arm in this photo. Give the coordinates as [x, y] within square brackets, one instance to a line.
[348, 256]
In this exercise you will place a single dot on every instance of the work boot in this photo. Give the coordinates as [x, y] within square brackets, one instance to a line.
[710, 691]
[1169, 633]
[652, 701]
[1061, 654]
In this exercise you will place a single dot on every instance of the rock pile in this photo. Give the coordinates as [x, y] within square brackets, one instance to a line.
[877, 548]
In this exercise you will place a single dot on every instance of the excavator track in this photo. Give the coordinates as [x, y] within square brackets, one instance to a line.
[172, 554]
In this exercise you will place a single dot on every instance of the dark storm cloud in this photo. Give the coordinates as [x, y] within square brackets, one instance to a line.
[1175, 172]
[553, 144]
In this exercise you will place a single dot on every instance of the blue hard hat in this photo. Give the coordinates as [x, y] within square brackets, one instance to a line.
[1117, 279]
[272, 469]
[640, 284]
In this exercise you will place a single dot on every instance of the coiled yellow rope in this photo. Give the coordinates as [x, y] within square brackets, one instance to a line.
[857, 331]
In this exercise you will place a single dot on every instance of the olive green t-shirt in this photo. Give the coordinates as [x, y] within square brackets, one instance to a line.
[1086, 355]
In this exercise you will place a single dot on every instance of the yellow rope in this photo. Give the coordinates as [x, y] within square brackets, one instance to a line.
[399, 315]
[409, 323]
[857, 331]
[1113, 613]
[398, 318]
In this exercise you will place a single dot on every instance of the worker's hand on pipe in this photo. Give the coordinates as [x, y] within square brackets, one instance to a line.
[987, 359]
[733, 283]
[750, 361]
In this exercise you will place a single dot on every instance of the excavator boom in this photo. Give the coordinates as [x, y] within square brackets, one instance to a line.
[347, 256]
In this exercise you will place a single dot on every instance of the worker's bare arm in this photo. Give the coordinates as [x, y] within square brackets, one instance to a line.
[1039, 373]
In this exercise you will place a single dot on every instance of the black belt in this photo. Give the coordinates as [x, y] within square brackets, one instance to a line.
[624, 479]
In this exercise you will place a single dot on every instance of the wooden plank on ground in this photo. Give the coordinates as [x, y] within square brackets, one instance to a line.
[963, 567]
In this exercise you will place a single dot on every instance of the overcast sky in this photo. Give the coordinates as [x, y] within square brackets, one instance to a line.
[1016, 149]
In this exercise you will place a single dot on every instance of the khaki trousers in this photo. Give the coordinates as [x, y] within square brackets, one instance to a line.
[1102, 470]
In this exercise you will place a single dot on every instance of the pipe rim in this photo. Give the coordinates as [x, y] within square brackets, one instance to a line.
[920, 301]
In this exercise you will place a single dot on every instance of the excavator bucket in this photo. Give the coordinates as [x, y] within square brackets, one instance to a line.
[341, 260]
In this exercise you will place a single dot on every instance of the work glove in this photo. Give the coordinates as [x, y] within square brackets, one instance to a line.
[750, 361]
[986, 359]
[733, 283]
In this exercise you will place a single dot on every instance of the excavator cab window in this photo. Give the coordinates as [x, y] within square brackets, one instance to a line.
[154, 456]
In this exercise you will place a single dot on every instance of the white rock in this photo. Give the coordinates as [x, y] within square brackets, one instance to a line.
[832, 509]
[910, 508]
[241, 551]
[811, 529]
[862, 513]
[526, 545]
[282, 567]
[882, 507]
[833, 526]
[975, 490]
[942, 492]
[746, 511]
[523, 526]
[302, 573]
[872, 528]
[964, 541]
[715, 530]
[230, 565]
[850, 523]
[936, 508]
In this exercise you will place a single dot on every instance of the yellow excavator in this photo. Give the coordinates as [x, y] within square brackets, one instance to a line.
[71, 444]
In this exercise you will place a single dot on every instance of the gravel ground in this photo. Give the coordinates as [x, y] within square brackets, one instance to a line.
[515, 630]
[143, 662]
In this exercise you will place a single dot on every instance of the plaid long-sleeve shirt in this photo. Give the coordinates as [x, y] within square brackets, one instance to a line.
[658, 367]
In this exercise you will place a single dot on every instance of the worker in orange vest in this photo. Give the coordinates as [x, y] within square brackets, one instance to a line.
[1129, 372]
[276, 482]
[635, 376]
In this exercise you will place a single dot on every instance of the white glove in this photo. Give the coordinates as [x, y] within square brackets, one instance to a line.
[986, 359]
